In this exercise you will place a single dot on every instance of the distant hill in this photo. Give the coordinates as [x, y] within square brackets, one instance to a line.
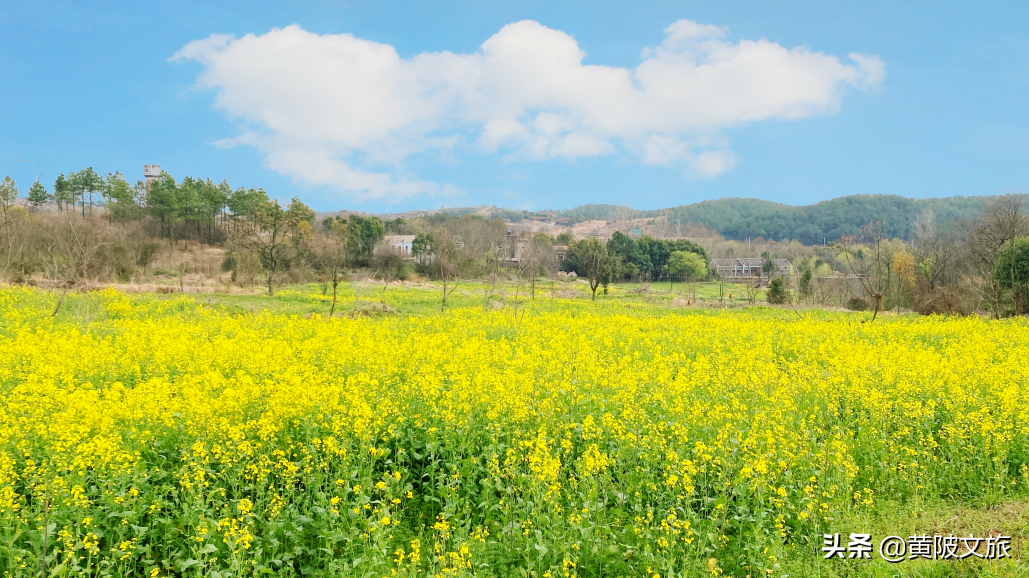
[736, 218]
[809, 224]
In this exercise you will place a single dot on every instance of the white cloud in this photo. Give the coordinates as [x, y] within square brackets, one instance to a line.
[712, 163]
[337, 110]
[319, 167]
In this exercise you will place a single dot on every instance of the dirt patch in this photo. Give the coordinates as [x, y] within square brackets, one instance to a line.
[1006, 519]
[371, 310]
[725, 305]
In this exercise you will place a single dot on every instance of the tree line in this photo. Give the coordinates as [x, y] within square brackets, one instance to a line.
[623, 258]
[183, 210]
[979, 264]
[117, 223]
[90, 228]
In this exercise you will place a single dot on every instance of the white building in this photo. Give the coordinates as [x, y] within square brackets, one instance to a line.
[748, 267]
[402, 243]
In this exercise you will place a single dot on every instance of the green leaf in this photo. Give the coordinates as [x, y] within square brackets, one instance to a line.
[209, 549]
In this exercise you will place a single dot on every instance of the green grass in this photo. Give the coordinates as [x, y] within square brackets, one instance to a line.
[424, 298]
[1010, 518]
[421, 298]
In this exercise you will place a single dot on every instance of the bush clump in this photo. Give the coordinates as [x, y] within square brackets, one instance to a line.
[777, 294]
[857, 304]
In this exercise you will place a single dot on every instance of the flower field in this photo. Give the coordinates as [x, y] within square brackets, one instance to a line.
[160, 437]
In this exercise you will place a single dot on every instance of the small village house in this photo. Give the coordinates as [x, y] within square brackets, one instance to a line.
[748, 267]
[402, 243]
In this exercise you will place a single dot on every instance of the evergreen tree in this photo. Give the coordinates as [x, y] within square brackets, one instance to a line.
[38, 194]
[83, 183]
[63, 193]
[8, 191]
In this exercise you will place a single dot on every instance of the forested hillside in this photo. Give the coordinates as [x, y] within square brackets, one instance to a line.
[810, 224]
[736, 218]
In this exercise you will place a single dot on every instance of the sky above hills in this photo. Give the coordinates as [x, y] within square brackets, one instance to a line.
[391, 106]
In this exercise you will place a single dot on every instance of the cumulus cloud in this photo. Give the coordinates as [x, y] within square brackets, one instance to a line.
[344, 112]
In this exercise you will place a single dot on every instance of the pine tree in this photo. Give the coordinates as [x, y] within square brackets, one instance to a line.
[38, 194]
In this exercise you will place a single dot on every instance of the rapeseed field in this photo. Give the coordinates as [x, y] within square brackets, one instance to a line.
[161, 437]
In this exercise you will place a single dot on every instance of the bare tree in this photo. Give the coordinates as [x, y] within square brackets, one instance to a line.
[389, 265]
[830, 288]
[751, 291]
[493, 259]
[13, 221]
[999, 221]
[356, 277]
[244, 264]
[935, 253]
[13, 218]
[623, 219]
[477, 235]
[276, 235]
[331, 249]
[442, 261]
[873, 268]
[74, 249]
[536, 260]
[661, 226]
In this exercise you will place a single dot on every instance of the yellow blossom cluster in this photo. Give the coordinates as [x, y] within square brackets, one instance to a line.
[568, 439]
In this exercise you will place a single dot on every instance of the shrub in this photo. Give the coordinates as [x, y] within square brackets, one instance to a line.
[857, 304]
[940, 301]
[777, 293]
[229, 264]
[388, 263]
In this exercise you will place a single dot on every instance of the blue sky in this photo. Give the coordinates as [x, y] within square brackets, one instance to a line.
[933, 105]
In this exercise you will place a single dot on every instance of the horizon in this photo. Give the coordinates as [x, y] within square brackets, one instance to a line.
[555, 210]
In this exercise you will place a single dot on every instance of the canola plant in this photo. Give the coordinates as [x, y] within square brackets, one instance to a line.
[164, 438]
